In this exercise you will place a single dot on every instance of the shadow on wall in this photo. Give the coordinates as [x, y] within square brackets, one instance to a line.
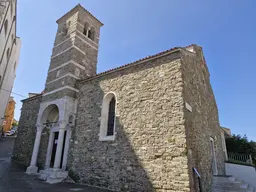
[110, 164]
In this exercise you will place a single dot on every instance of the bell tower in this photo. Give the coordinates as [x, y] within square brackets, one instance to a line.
[74, 55]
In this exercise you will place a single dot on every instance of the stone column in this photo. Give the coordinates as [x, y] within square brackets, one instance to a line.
[32, 169]
[59, 147]
[65, 155]
[49, 150]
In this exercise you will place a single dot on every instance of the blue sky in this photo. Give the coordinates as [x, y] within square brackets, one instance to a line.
[137, 28]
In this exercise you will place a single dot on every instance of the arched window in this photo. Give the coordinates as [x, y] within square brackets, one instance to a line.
[108, 116]
[91, 33]
[111, 116]
[5, 27]
[86, 26]
[8, 54]
[11, 8]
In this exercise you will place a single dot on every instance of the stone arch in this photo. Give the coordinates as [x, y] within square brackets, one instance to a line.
[50, 114]
[46, 107]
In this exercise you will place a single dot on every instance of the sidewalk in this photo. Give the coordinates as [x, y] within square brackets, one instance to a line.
[14, 179]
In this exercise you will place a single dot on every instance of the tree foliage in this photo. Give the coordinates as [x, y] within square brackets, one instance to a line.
[14, 124]
[240, 144]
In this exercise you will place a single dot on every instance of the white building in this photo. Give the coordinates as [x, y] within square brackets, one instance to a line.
[9, 51]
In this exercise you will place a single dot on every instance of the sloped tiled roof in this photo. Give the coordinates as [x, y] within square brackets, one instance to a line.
[137, 62]
[126, 65]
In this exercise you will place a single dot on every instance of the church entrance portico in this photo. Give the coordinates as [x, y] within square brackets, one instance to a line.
[52, 117]
[52, 148]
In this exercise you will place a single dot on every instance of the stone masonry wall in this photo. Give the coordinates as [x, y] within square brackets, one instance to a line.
[62, 82]
[71, 54]
[24, 142]
[59, 94]
[43, 149]
[149, 152]
[69, 68]
[70, 25]
[202, 123]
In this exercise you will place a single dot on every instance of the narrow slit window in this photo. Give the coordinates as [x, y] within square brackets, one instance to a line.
[111, 117]
[91, 34]
[5, 27]
[86, 26]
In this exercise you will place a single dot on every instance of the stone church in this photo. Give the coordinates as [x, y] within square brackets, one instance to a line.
[150, 125]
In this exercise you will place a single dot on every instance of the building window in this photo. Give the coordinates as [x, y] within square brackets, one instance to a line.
[8, 54]
[108, 116]
[58, 73]
[86, 26]
[5, 27]
[111, 117]
[91, 34]
[77, 72]
[15, 66]
[11, 8]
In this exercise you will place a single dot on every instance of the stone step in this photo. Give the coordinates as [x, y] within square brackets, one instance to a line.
[235, 184]
[234, 188]
[232, 179]
[53, 176]
[43, 174]
[220, 190]
[53, 180]
[230, 184]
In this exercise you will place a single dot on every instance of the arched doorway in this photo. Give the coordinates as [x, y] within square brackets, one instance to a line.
[54, 131]
[50, 119]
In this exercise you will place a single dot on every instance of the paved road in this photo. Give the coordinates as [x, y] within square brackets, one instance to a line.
[14, 179]
[6, 146]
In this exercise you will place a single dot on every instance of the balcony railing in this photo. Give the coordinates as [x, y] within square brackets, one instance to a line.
[50, 124]
[240, 158]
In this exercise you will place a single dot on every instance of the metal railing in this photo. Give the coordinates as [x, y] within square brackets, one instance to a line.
[196, 173]
[50, 124]
[240, 158]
